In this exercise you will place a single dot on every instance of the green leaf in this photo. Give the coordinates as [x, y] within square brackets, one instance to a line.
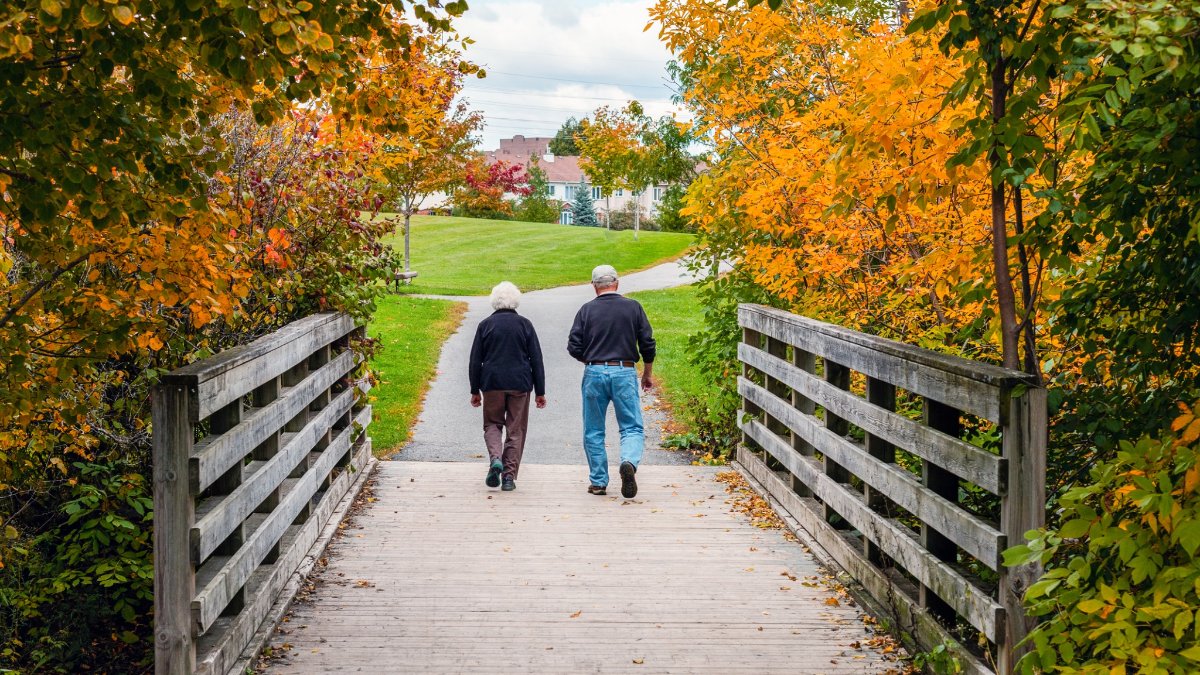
[1089, 606]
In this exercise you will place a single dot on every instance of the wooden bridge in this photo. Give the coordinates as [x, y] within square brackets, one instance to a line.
[858, 442]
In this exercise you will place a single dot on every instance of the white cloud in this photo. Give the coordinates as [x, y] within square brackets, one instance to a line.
[549, 60]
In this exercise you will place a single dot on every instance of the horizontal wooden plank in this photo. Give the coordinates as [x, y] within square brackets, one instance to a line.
[971, 533]
[975, 370]
[438, 554]
[887, 599]
[221, 585]
[213, 455]
[218, 517]
[216, 382]
[221, 648]
[925, 373]
[966, 461]
[977, 607]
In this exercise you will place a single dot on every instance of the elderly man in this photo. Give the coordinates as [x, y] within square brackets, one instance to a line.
[506, 363]
[608, 335]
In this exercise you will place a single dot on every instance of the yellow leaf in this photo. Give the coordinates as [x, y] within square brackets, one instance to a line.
[832, 602]
[123, 14]
[1192, 432]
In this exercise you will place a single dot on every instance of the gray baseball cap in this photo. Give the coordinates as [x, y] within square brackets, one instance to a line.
[604, 273]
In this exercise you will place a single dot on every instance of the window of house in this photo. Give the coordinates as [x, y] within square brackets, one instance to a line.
[569, 191]
[596, 193]
[550, 190]
[620, 192]
[658, 193]
[566, 218]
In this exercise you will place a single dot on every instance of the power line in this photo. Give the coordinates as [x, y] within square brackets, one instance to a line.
[577, 81]
[534, 93]
[589, 57]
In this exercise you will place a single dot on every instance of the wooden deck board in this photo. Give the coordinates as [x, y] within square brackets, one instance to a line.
[441, 574]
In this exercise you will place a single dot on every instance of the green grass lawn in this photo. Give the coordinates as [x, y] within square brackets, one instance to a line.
[468, 256]
[412, 331]
[676, 315]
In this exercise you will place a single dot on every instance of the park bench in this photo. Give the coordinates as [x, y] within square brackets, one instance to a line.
[405, 277]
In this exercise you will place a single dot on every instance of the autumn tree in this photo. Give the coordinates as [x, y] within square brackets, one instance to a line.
[486, 189]
[626, 149]
[139, 232]
[429, 154]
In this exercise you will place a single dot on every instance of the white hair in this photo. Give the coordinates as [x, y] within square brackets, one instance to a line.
[506, 296]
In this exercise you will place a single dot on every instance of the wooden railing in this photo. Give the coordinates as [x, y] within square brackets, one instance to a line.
[254, 449]
[912, 511]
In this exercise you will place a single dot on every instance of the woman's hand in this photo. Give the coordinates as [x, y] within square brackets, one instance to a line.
[541, 401]
[476, 400]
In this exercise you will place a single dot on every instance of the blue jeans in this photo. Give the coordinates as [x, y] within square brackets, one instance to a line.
[619, 385]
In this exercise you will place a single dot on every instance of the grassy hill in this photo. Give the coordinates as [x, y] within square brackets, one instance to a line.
[467, 256]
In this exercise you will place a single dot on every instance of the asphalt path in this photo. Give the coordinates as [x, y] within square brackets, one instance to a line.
[450, 430]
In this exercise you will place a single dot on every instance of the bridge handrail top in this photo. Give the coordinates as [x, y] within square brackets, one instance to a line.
[206, 369]
[996, 376]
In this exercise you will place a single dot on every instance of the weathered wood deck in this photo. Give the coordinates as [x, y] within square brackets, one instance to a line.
[440, 574]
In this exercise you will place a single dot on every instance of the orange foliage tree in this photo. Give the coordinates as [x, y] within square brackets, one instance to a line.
[173, 180]
[831, 180]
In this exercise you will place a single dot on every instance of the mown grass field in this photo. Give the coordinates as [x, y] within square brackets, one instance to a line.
[411, 331]
[468, 256]
[676, 315]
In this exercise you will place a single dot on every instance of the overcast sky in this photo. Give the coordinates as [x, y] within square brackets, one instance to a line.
[548, 60]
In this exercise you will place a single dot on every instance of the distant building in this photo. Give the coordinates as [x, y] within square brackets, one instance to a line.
[564, 174]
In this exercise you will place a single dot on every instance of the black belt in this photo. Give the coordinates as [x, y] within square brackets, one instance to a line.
[627, 364]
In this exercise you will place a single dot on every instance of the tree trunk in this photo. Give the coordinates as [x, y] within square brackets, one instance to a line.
[637, 212]
[408, 209]
[1005, 297]
[607, 211]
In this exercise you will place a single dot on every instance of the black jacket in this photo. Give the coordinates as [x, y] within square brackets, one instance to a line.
[611, 328]
[506, 355]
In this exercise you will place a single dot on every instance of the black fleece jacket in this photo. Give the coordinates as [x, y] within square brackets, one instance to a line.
[611, 328]
[506, 355]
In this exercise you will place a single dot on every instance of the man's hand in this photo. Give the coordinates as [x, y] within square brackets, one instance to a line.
[647, 382]
[476, 400]
[541, 401]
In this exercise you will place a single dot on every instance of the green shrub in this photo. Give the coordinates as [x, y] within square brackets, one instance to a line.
[622, 219]
[1121, 591]
[81, 591]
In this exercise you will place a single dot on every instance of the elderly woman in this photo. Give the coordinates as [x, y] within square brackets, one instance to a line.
[506, 364]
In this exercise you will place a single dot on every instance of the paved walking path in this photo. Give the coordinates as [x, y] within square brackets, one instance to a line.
[449, 429]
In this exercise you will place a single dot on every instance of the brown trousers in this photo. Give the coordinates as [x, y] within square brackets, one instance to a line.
[506, 410]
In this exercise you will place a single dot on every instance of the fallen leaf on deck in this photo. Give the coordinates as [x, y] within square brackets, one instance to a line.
[639, 661]
[832, 602]
[576, 614]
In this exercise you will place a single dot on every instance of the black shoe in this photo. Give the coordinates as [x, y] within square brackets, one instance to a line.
[509, 484]
[628, 484]
[493, 477]
[597, 490]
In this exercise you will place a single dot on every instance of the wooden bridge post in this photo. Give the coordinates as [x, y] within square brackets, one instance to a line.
[174, 580]
[806, 361]
[947, 420]
[839, 376]
[1023, 508]
[882, 394]
[778, 349]
[754, 339]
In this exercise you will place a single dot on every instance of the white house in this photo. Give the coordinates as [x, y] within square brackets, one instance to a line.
[564, 174]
